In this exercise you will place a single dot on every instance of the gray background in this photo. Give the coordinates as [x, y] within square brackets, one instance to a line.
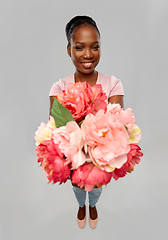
[32, 57]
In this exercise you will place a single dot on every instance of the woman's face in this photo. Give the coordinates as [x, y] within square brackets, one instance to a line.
[85, 49]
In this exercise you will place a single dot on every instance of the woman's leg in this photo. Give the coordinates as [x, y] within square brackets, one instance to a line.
[94, 195]
[80, 195]
[93, 199]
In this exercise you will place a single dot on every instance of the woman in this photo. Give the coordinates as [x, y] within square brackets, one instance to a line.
[84, 50]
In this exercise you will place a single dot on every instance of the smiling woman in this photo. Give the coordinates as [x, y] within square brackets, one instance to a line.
[84, 50]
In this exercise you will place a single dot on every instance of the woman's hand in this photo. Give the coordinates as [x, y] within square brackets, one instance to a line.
[51, 102]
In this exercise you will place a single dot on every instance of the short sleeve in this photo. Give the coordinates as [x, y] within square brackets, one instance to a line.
[116, 87]
[56, 88]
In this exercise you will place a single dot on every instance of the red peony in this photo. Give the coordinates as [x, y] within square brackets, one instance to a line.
[88, 175]
[81, 99]
[52, 161]
[133, 157]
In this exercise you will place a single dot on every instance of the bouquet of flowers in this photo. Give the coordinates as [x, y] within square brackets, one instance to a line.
[87, 138]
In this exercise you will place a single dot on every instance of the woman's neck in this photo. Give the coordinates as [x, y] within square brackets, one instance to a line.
[89, 78]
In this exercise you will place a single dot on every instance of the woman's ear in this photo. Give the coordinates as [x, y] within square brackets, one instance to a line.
[69, 50]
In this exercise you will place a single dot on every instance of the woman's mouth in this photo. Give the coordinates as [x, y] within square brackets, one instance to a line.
[87, 64]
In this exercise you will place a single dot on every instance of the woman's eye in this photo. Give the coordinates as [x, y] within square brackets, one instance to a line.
[78, 48]
[96, 47]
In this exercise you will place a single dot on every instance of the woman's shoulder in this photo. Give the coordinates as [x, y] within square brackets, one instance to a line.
[111, 85]
[67, 79]
[63, 81]
[57, 87]
[110, 78]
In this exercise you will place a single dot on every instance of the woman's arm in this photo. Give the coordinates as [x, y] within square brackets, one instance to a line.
[51, 102]
[117, 99]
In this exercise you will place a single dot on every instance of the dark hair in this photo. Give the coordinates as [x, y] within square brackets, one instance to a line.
[76, 22]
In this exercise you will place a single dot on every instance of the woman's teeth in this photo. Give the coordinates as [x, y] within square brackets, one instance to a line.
[87, 64]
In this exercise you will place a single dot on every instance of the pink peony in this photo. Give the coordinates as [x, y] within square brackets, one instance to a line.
[39, 135]
[44, 131]
[70, 141]
[80, 99]
[52, 161]
[134, 134]
[88, 175]
[107, 139]
[128, 119]
[133, 157]
[125, 116]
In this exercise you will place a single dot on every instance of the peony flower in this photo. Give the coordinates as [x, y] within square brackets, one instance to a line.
[98, 99]
[41, 134]
[134, 134]
[46, 149]
[44, 131]
[81, 99]
[114, 108]
[70, 141]
[88, 175]
[107, 139]
[77, 98]
[51, 123]
[133, 157]
[125, 116]
[52, 161]
[60, 171]
[128, 119]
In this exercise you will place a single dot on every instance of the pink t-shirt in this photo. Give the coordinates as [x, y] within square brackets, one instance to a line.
[110, 85]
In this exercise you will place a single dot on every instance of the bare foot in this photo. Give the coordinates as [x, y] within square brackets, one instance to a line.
[93, 212]
[82, 212]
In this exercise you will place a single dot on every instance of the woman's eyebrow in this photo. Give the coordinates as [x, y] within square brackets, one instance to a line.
[83, 42]
[78, 42]
[96, 42]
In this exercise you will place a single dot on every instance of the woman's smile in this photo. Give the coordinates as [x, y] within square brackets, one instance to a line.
[87, 64]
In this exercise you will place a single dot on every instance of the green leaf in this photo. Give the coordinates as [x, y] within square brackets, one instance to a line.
[60, 114]
[126, 127]
[80, 123]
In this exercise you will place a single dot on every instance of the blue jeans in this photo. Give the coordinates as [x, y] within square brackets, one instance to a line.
[94, 195]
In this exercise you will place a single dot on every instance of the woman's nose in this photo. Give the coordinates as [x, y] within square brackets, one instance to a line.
[88, 53]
